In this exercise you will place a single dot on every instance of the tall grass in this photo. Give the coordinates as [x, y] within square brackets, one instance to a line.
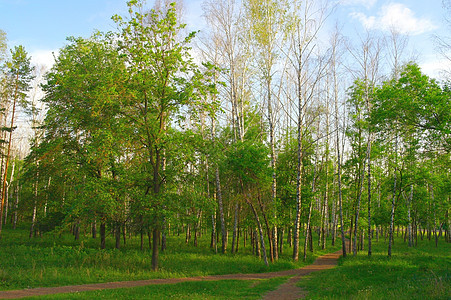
[422, 272]
[55, 260]
[221, 289]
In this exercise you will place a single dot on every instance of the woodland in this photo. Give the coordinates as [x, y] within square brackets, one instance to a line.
[266, 130]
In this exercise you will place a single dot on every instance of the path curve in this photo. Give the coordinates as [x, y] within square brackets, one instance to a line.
[286, 291]
[289, 290]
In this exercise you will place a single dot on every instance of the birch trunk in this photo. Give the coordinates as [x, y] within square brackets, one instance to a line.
[409, 227]
[235, 228]
[260, 231]
[392, 214]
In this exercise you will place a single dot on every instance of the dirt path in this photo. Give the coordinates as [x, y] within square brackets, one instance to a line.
[288, 290]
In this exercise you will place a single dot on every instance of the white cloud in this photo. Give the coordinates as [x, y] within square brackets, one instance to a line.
[43, 57]
[397, 16]
[436, 67]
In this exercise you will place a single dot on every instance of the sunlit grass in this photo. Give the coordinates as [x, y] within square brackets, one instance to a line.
[422, 272]
[56, 260]
[222, 289]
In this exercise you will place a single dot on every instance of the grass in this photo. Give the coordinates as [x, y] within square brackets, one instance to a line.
[57, 260]
[422, 272]
[221, 289]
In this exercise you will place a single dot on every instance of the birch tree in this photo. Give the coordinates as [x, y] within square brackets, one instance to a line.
[222, 46]
[267, 21]
[308, 68]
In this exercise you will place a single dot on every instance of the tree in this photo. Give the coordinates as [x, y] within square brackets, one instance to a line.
[413, 105]
[162, 79]
[82, 93]
[418, 103]
[249, 163]
[224, 47]
[308, 68]
[334, 65]
[267, 21]
[20, 76]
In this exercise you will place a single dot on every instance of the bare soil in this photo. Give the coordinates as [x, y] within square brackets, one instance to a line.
[286, 291]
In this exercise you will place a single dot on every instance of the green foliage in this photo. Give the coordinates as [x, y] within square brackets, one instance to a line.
[249, 162]
[113, 129]
[84, 136]
[416, 102]
[287, 173]
[19, 72]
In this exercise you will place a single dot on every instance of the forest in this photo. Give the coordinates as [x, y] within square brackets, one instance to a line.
[265, 130]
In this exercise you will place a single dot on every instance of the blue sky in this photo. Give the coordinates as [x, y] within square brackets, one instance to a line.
[420, 20]
[43, 25]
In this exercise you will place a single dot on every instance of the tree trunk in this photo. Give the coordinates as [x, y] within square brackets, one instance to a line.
[102, 234]
[8, 153]
[260, 231]
[351, 240]
[308, 232]
[257, 247]
[33, 217]
[124, 232]
[221, 213]
[163, 235]
[368, 156]
[77, 231]
[16, 206]
[238, 235]
[213, 243]
[325, 211]
[273, 240]
[280, 239]
[197, 228]
[7, 192]
[155, 248]
[117, 234]
[235, 228]
[357, 212]
[409, 226]
[392, 214]
[334, 220]
[297, 221]
[448, 220]
[188, 233]
[340, 200]
[94, 229]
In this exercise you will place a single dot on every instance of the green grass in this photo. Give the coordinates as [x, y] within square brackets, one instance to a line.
[222, 289]
[422, 272]
[56, 260]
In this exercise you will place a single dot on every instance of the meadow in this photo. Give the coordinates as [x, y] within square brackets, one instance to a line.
[421, 272]
[57, 260]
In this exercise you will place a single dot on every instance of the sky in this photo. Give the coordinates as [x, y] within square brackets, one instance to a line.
[42, 26]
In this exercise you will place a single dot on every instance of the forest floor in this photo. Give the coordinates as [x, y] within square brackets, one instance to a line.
[288, 290]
